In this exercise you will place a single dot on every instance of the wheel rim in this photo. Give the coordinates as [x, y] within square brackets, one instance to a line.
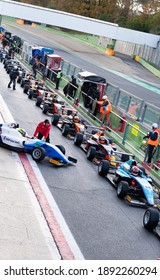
[37, 154]
[146, 217]
[119, 188]
[63, 129]
[100, 168]
[88, 152]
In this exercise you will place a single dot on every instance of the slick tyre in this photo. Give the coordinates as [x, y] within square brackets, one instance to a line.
[55, 119]
[91, 153]
[103, 168]
[30, 94]
[45, 109]
[78, 139]
[65, 130]
[151, 218]
[38, 154]
[25, 88]
[124, 157]
[122, 189]
[61, 148]
[38, 101]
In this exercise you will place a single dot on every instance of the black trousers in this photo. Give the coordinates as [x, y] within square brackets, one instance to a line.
[150, 150]
[57, 83]
[40, 136]
[34, 73]
[12, 81]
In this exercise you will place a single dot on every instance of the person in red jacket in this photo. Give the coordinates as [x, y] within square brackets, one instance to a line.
[43, 130]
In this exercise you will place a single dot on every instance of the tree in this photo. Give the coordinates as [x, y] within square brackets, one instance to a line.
[154, 23]
[142, 15]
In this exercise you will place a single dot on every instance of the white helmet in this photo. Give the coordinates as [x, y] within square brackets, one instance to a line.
[154, 125]
[70, 118]
[104, 97]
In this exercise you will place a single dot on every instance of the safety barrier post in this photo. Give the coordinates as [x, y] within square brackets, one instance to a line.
[143, 113]
[117, 97]
[125, 133]
[129, 103]
[139, 117]
[68, 68]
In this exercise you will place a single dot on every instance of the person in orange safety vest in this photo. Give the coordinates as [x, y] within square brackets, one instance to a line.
[105, 108]
[153, 141]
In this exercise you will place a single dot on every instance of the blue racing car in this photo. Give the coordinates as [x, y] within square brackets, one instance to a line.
[16, 139]
[131, 182]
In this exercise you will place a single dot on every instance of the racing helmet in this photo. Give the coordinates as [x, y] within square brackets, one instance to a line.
[22, 132]
[102, 139]
[135, 170]
[155, 125]
[104, 97]
[76, 119]
[70, 118]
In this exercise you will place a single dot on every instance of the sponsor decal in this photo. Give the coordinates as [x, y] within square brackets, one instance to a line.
[5, 138]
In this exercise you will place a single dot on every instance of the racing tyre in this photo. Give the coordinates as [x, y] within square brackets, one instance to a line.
[151, 218]
[8, 70]
[103, 168]
[38, 101]
[78, 139]
[45, 109]
[25, 88]
[124, 157]
[91, 153]
[55, 119]
[61, 148]
[19, 80]
[65, 130]
[30, 94]
[38, 154]
[22, 83]
[122, 189]
[94, 131]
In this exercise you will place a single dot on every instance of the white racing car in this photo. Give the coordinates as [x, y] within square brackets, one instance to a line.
[16, 139]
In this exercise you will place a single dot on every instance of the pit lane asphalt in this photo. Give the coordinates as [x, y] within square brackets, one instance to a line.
[103, 226]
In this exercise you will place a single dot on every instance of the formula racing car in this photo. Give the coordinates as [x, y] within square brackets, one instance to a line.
[131, 182]
[96, 145]
[15, 138]
[60, 113]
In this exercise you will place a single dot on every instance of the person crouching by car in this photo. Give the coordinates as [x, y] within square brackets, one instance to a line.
[43, 130]
[13, 77]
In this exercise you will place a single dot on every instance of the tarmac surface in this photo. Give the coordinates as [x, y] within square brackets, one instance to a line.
[29, 227]
[24, 232]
